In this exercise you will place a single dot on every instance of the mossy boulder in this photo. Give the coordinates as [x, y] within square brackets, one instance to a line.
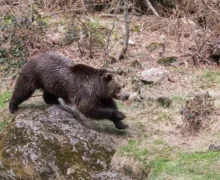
[52, 144]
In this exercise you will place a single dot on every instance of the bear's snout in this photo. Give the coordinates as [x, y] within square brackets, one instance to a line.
[122, 96]
[125, 97]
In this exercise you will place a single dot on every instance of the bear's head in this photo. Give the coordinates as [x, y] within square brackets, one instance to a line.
[114, 86]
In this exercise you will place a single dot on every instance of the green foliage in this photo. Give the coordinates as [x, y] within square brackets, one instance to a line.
[94, 25]
[13, 59]
[21, 32]
[98, 32]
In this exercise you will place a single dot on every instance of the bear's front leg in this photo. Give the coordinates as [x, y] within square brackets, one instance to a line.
[120, 125]
[108, 113]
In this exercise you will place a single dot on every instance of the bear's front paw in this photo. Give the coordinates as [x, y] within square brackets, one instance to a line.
[120, 115]
[120, 125]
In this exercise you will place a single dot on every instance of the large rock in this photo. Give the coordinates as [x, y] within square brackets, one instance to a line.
[52, 145]
[154, 75]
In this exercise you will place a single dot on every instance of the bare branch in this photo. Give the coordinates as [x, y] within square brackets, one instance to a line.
[110, 32]
[127, 27]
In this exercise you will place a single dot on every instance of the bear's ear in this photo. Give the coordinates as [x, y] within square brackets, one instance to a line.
[107, 77]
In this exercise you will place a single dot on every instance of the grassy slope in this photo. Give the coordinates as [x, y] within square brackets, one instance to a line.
[147, 140]
[152, 146]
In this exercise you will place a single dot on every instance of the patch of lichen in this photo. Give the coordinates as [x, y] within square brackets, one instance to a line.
[84, 157]
[10, 140]
[103, 154]
[21, 171]
[65, 157]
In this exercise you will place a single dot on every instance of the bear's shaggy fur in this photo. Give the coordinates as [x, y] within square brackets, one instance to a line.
[91, 90]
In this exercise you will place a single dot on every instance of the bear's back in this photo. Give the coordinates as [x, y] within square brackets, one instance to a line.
[52, 59]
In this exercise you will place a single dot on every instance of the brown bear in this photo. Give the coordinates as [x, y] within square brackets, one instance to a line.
[91, 90]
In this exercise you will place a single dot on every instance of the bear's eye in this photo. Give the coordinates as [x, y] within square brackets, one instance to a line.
[119, 89]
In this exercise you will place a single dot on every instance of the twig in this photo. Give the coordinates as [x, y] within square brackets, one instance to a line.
[90, 35]
[211, 9]
[83, 7]
[196, 55]
[110, 32]
[80, 49]
[127, 27]
[203, 44]
[152, 8]
[90, 44]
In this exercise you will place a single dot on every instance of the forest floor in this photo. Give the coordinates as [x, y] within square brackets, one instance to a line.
[154, 145]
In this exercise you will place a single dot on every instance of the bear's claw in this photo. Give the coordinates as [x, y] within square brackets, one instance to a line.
[120, 125]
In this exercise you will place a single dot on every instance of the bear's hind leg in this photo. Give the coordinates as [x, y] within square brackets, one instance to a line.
[20, 94]
[50, 99]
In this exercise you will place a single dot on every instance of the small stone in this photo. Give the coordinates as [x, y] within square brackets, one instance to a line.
[70, 171]
[154, 75]
[131, 42]
[134, 97]
[214, 147]
[131, 69]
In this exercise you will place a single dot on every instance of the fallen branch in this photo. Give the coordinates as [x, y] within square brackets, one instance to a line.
[152, 8]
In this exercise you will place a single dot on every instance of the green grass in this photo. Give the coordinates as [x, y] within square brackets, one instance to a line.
[2, 125]
[132, 149]
[4, 98]
[164, 116]
[170, 163]
[210, 78]
[194, 166]
[178, 99]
